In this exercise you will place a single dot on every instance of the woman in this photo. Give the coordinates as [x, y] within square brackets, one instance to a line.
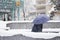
[39, 21]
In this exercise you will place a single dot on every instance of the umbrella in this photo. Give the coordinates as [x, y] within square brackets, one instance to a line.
[40, 19]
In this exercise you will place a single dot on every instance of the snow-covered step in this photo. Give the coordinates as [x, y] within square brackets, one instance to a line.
[28, 33]
[52, 30]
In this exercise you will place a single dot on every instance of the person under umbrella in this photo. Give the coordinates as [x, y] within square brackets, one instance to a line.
[39, 21]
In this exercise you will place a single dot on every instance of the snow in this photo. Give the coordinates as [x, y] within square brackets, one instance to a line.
[28, 33]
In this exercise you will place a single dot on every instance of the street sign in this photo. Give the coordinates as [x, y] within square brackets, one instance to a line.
[18, 3]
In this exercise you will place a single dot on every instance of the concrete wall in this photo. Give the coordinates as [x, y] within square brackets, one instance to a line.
[30, 25]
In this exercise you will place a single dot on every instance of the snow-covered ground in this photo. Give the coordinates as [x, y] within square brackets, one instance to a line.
[28, 33]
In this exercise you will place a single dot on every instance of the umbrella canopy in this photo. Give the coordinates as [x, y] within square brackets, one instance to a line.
[40, 19]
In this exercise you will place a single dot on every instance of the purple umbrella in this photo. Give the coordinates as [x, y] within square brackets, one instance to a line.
[40, 19]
